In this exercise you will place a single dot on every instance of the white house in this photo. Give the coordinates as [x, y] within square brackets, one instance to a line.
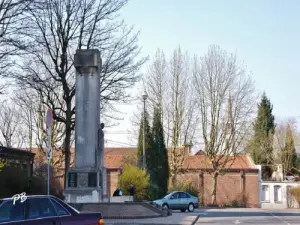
[275, 195]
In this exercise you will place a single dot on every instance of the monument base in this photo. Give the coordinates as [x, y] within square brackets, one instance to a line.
[83, 195]
[86, 186]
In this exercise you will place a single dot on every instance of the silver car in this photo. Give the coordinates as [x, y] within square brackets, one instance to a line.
[178, 200]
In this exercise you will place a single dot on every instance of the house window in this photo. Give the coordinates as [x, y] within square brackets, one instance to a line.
[265, 193]
[277, 193]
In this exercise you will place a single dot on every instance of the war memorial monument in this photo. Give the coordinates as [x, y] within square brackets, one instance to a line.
[86, 182]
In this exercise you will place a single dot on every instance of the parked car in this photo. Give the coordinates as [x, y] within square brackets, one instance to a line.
[178, 200]
[44, 210]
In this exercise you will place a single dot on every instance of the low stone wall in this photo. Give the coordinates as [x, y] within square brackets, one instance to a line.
[121, 199]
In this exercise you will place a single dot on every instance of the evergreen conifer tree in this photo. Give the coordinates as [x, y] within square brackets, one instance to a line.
[148, 142]
[264, 128]
[159, 157]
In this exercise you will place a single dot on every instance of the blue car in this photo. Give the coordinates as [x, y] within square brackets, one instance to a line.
[178, 200]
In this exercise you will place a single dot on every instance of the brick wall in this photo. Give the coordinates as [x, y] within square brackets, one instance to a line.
[112, 180]
[229, 186]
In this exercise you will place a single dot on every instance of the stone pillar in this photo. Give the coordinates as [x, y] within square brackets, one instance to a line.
[243, 182]
[87, 108]
[85, 180]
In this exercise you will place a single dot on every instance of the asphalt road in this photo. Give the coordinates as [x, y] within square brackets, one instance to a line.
[247, 216]
[220, 217]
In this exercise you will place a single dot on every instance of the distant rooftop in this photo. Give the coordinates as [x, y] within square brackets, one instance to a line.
[4, 149]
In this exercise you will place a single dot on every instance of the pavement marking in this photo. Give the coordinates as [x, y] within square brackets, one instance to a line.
[237, 222]
[196, 220]
[198, 217]
[278, 218]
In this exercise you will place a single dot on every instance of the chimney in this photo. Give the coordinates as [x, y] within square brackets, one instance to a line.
[188, 148]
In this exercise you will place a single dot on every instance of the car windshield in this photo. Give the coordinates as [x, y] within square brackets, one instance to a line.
[168, 195]
[74, 209]
[64, 203]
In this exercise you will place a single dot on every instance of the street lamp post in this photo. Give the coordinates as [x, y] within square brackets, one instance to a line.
[145, 96]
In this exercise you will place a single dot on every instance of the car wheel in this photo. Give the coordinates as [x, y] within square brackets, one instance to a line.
[165, 206]
[182, 210]
[191, 207]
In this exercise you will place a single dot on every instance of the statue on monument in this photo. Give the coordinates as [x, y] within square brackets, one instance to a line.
[100, 154]
[101, 134]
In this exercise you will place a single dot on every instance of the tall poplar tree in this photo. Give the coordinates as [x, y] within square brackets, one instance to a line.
[264, 128]
[158, 159]
[289, 155]
[148, 142]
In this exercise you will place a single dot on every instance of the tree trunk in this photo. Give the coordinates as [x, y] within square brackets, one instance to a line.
[173, 179]
[214, 189]
[67, 152]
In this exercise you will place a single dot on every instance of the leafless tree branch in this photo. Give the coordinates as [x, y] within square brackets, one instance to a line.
[54, 30]
[225, 97]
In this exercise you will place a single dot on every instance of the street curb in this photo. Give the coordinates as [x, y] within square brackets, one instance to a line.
[130, 217]
[161, 213]
[122, 223]
[196, 220]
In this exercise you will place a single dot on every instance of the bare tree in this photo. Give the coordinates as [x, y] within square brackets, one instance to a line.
[33, 121]
[11, 16]
[10, 127]
[281, 154]
[55, 29]
[168, 85]
[180, 115]
[155, 84]
[156, 81]
[27, 103]
[225, 97]
[178, 80]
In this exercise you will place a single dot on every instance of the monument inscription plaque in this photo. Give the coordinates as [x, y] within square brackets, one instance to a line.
[82, 180]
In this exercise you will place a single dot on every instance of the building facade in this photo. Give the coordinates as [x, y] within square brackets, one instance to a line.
[275, 195]
[18, 158]
[240, 177]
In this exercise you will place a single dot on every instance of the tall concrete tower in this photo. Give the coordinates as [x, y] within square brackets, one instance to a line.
[86, 182]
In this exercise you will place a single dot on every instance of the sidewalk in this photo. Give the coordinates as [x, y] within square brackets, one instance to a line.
[175, 219]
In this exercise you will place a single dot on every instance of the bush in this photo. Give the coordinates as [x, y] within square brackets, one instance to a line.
[241, 201]
[153, 192]
[186, 186]
[2, 164]
[137, 177]
[15, 181]
[295, 192]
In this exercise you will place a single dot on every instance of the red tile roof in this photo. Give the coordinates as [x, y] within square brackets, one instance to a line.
[119, 151]
[114, 156]
[113, 159]
[202, 162]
